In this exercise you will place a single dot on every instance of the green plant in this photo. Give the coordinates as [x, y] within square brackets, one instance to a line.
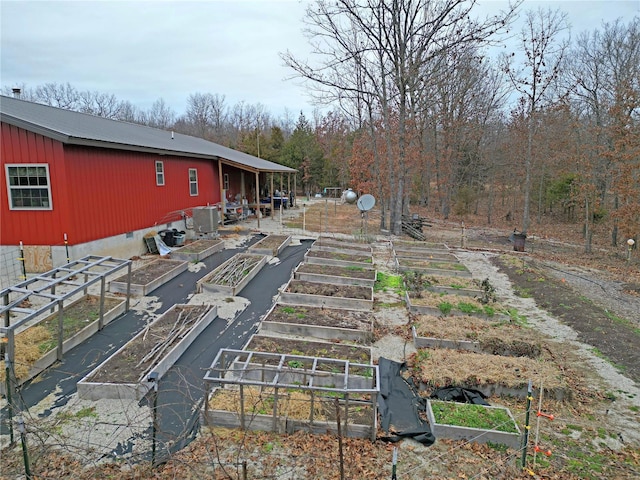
[488, 292]
[468, 308]
[288, 309]
[445, 308]
[489, 310]
[473, 416]
[386, 281]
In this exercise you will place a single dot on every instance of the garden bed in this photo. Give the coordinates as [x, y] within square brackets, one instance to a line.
[198, 250]
[340, 259]
[37, 345]
[490, 374]
[429, 303]
[294, 346]
[475, 335]
[288, 412]
[343, 244]
[155, 349]
[476, 423]
[344, 249]
[468, 287]
[326, 324]
[312, 294]
[233, 275]
[336, 275]
[149, 277]
[270, 245]
[432, 267]
[433, 255]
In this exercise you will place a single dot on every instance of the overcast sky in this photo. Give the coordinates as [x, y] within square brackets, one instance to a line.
[144, 50]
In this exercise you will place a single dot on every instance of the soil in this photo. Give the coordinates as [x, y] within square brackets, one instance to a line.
[129, 364]
[150, 271]
[334, 270]
[293, 346]
[325, 242]
[448, 266]
[80, 314]
[340, 256]
[329, 290]
[322, 317]
[270, 241]
[198, 246]
[614, 337]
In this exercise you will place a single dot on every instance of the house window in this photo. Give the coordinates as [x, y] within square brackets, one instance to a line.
[159, 173]
[225, 181]
[193, 182]
[29, 187]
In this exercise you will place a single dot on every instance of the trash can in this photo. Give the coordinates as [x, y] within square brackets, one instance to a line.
[167, 237]
[519, 241]
[178, 238]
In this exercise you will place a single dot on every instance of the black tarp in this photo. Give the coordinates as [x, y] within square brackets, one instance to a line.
[400, 405]
[457, 394]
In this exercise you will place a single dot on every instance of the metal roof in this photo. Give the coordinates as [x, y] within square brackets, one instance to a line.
[74, 128]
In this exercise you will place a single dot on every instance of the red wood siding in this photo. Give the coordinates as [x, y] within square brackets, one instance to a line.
[115, 191]
[32, 227]
[98, 193]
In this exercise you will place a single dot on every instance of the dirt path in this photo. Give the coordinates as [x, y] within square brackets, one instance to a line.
[620, 415]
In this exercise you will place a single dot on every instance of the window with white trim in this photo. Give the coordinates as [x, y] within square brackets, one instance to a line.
[193, 182]
[225, 181]
[159, 173]
[29, 186]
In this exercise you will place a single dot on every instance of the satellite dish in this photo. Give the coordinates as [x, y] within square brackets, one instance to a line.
[366, 202]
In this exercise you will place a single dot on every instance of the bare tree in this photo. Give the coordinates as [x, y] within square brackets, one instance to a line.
[58, 95]
[535, 79]
[391, 43]
[161, 115]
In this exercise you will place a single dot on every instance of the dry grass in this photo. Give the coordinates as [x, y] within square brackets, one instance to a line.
[292, 404]
[469, 328]
[335, 218]
[27, 350]
[441, 367]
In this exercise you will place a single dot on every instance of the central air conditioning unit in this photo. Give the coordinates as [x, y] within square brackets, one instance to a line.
[205, 219]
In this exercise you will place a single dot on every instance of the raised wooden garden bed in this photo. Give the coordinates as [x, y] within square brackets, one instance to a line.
[476, 423]
[344, 244]
[490, 374]
[475, 335]
[326, 324]
[335, 275]
[233, 275]
[155, 349]
[432, 267]
[147, 278]
[340, 259]
[325, 245]
[420, 246]
[80, 321]
[433, 255]
[198, 250]
[464, 286]
[429, 303]
[270, 245]
[324, 295]
[288, 411]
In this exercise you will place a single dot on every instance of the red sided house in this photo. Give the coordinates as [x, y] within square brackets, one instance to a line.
[88, 185]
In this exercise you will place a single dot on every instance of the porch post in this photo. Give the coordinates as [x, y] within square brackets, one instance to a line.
[257, 199]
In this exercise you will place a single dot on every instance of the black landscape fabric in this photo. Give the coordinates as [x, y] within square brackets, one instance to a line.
[462, 395]
[399, 405]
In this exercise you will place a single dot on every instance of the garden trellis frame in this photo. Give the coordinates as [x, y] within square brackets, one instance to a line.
[272, 370]
[69, 279]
